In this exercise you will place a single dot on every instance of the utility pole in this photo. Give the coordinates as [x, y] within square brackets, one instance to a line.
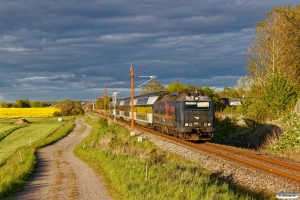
[132, 100]
[132, 96]
[104, 102]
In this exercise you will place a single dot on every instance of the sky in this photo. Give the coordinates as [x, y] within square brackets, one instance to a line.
[57, 49]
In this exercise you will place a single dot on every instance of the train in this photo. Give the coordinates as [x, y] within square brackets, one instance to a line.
[187, 115]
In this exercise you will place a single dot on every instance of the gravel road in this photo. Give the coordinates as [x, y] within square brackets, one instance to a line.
[61, 175]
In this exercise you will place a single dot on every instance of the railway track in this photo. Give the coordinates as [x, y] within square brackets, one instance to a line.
[269, 165]
[272, 166]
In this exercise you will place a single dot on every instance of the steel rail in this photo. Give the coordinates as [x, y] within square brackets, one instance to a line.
[262, 167]
[255, 156]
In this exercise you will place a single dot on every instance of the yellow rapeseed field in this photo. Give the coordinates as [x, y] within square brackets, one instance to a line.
[27, 112]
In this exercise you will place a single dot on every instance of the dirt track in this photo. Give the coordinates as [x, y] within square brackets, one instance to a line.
[61, 175]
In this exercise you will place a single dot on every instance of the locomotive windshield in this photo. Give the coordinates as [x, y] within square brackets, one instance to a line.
[203, 105]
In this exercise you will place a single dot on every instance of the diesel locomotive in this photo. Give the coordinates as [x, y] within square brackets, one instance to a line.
[188, 115]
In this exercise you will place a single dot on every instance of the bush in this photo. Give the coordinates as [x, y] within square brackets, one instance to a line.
[103, 122]
[290, 138]
[69, 107]
[57, 114]
[226, 127]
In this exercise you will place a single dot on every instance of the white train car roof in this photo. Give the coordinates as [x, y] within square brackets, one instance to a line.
[147, 99]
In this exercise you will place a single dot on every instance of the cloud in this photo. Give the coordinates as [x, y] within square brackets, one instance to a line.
[72, 49]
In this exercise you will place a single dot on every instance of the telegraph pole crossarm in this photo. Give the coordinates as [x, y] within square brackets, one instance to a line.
[132, 95]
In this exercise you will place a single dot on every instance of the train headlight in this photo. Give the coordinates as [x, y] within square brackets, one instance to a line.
[191, 124]
[205, 124]
[186, 124]
[208, 124]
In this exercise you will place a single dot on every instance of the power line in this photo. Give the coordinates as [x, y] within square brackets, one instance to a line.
[210, 24]
[212, 45]
[207, 61]
[205, 27]
[214, 72]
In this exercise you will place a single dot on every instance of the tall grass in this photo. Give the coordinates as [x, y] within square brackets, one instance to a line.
[21, 164]
[280, 137]
[123, 161]
[250, 135]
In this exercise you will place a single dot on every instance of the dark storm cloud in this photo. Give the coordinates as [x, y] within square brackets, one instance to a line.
[73, 49]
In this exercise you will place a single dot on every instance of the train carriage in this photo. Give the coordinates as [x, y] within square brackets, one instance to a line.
[143, 104]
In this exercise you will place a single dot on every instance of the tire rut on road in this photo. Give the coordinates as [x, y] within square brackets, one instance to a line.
[61, 175]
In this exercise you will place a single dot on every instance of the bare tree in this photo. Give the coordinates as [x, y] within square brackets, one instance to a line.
[153, 86]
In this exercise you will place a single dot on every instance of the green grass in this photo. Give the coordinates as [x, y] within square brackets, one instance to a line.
[8, 129]
[121, 161]
[19, 160]
[23, 137]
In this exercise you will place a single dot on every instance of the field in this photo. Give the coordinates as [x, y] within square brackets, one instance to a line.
[13, 137]
[18, 146]
[27, 112]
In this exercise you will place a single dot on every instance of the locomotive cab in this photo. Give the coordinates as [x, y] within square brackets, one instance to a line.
[187, 115]
[198, 119]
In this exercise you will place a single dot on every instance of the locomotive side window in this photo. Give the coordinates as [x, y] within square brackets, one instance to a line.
[197, 105]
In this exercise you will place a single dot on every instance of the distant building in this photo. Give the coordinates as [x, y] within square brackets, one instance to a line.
[232, 101]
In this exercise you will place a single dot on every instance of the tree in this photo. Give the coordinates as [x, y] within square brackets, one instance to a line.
[215, 97]
[37, 104]
[22, 103]
[173, 87]
[77, 108]
[153, 86]
[243, 86]
[273, 64]
[100, 102]
[229, 93]
[279, 96]
[69, 107]
[4, 105]
[276, 47]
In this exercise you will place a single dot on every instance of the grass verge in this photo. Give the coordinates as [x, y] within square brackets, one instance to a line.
[139, 170]
[279, 137]
[20, 165]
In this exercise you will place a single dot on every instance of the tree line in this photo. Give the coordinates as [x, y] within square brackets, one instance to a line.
[27, 104]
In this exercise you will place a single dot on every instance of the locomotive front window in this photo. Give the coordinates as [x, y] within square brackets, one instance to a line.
[197, 105]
